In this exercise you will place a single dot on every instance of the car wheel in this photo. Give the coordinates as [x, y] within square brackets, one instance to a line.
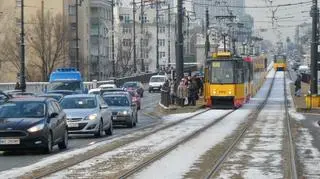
[48, 148]
[99, 133]
[64, 144]
[131, 123]
[109, 131]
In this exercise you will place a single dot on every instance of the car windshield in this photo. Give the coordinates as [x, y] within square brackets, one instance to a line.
[130, 85]
[157, 79]
[69, 85]
[22, 109]
[116, 100]
[222, 72]
[79, 103]
[94, 92]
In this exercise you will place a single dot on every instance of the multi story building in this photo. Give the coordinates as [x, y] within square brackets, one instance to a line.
[100, 39]
[70, 10]
[146, 37]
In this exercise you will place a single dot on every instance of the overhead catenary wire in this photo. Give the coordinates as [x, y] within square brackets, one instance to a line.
[252, 7]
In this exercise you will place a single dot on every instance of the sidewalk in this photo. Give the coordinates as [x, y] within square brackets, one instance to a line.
[174, 109]
[300, 102]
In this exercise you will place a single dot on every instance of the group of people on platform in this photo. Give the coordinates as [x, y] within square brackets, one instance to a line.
[184, 92]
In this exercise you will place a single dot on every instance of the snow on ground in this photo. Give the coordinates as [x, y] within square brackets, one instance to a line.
[308, 155]
[177, 117]
[259, 154]
[113, 162]
[16, 172]
[174, 164]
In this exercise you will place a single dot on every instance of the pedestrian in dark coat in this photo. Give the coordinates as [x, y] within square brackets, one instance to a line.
[17, 86]
[297, 83]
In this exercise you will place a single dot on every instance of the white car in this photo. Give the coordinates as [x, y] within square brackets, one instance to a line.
[156, 82]
[107, 86]
[94, 91]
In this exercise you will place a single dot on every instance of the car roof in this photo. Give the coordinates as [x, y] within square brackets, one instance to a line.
[35, 99]
[124, 93]
[51, 94]
[94, 89]
[80, 95]
[159, 76]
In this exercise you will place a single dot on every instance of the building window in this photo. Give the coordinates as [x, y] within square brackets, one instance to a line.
[72, 10]
[162, 29]
[126, 42]
[126, 30]
[161, 18]
[162, 42]
[145, 53]
[125, 18]
[145, 42]
[73, 26]
[144, 19]
[162, 54]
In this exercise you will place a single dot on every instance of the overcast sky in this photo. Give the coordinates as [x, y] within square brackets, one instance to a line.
[291, 16]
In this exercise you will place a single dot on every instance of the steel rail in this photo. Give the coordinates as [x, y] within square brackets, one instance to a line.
[253, 116]
[164, 152]
[293, 168]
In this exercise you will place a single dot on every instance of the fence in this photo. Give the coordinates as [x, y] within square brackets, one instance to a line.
[40, 87]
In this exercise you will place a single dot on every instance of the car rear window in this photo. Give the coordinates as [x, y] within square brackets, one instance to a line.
[157, 79]
[79, 103]
[116, 100]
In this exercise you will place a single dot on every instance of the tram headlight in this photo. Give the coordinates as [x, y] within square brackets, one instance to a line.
[230, 92]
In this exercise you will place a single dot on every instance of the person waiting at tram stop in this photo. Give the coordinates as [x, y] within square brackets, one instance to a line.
[297, 84]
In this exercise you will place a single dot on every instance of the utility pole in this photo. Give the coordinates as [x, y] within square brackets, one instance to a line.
[134, 38]
[77, 35]
[157, 26]
[22, 55]
[169, 35]
[314, 48]
[44, 65]
[112, 40]
[179, 43]
[141, 33]
[207, 46]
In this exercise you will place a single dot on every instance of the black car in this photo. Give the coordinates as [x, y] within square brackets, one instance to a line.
[134, 85]
[4, 97]
[32, 123]
[55, 96]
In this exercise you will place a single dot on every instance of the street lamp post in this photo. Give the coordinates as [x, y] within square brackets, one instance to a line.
[22, 53]
[314, 48]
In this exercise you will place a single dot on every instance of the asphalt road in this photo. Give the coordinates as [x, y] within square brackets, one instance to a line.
[14, 160]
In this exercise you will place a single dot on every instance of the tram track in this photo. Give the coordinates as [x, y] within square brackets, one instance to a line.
[163, 153]
[290, 144]
[67, 163]
[218, 164]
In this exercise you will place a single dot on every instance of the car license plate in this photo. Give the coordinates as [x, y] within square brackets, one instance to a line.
[73, 125]
[9, 141]
[114, 117]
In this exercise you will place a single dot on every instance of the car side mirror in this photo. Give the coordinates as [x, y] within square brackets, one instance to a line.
[53, 115]
[103, 107]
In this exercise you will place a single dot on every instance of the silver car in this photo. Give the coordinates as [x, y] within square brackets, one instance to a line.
[87, 114]
[124, 111]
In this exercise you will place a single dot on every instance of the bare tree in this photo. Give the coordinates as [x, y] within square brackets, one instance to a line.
[48, 39]
[124, 59]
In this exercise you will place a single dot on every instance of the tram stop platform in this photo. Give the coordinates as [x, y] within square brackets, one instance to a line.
[175, 109]
[300, 102]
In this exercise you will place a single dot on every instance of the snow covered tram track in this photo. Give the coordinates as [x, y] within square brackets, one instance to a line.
[291, 146]
[172, 147]
[252, 118]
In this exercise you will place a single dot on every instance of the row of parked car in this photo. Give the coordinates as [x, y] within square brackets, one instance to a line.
[29, 121]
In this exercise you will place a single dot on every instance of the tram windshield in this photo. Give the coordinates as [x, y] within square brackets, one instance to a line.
[279, 59]
[222, 72]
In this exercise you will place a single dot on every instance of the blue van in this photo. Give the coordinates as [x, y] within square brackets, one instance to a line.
[66, 79]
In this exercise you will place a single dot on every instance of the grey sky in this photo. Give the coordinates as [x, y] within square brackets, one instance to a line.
[295, 16]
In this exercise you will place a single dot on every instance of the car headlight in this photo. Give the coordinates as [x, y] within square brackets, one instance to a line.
[36, 128]
[124, 113]
[92, 117]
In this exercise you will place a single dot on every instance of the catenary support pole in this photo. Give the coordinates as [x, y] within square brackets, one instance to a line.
[314, 47]
[207, 33]
[112, 39]
[134, 37]
[179, 44]
[157, 34]
[169, 35]
[77, 35]
[141, 34]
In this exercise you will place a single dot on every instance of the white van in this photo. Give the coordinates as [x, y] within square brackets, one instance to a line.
[156, 82]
